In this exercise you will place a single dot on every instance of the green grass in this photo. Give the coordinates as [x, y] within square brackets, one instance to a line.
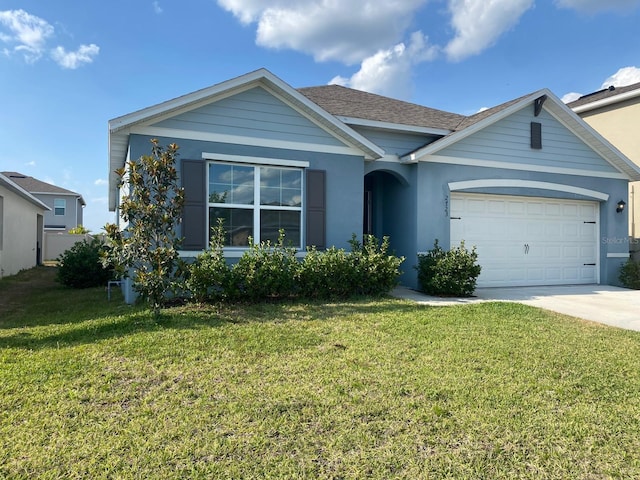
[364, 389]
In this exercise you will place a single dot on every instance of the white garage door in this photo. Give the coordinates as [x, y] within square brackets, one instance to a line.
[528, 240]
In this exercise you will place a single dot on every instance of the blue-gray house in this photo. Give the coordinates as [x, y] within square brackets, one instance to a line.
[529, 183]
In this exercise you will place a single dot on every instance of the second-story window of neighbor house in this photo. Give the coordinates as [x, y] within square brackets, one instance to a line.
[59, 207]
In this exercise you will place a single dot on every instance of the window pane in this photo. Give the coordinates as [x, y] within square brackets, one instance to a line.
[271, 221]
[59, 206]
[231, 184]
[280, 187]
[238, 224]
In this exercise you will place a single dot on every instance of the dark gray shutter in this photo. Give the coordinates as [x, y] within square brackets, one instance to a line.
[536, 135]
[194, 220]
[316, 208]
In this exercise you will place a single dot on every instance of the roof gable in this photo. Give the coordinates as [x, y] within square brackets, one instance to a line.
[121, 127]
[252, 113]
[551, 104]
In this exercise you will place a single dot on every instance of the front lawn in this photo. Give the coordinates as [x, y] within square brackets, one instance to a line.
[364, 389]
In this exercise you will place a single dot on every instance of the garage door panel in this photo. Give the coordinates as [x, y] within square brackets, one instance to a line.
[528, 240]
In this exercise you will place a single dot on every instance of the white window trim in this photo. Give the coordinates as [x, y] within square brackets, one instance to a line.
[55, 207]
[235, 251]
[261, 161]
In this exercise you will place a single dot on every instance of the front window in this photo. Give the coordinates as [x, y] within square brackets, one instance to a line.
[59, 206]
[256, 202]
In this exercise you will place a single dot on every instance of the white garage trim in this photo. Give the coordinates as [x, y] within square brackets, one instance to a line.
[526, 241]
[516, 183]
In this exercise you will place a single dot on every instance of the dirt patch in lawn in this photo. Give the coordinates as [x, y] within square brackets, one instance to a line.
[17, 289]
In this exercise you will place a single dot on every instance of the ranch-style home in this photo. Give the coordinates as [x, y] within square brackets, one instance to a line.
[528, 182]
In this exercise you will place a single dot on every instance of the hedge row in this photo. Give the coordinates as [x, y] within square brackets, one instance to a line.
[271, 271]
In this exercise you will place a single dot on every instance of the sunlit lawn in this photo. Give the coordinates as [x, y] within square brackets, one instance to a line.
[364, 389]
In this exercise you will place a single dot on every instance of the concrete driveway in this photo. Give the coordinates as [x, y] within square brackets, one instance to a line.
[618, 307]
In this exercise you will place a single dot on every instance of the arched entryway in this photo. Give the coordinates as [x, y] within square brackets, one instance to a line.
[382, 190]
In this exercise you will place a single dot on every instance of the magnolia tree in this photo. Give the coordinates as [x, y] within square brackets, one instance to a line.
[147, 249]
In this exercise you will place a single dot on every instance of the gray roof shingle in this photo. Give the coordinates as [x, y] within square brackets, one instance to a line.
[602, 94]
[33, 185]
[348, 102]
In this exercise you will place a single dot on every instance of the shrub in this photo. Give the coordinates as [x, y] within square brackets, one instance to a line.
[327, 275]
[81, 266]
[454, 272]
[269, 271]
[79, 230]
[630, 274]
[265, 271]
[377, 271]
[209, 276]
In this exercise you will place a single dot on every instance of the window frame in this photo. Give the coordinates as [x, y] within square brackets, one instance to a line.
[256, 207]
[56, 207]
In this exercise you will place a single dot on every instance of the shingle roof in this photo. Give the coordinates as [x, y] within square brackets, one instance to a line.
[602, 94]
[347, 102]
[33, 185]
[473, 119]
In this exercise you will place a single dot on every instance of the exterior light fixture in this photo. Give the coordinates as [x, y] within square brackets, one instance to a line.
[620, 206]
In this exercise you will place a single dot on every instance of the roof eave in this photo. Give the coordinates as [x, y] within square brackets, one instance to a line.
[17, 189]
[604, 102]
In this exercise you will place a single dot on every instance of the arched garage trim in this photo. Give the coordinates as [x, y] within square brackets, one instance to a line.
[506, 182]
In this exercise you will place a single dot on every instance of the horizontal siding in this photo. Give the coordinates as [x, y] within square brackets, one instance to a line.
[508, 140]
[395, 143]
[254, 113]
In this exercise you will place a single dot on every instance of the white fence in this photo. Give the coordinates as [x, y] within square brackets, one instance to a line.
[56, 243]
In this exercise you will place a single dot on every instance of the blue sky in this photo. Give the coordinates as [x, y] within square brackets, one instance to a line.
[68, 67]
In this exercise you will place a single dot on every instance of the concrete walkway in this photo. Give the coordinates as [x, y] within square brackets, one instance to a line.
[618, 307]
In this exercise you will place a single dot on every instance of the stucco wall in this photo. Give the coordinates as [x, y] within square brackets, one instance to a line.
[20, 233]
[619, 124]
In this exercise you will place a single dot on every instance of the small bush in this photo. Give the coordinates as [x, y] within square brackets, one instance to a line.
[81, 266]
[377, 271]
[327, 275]
[266, 271]
[209, 276]
[630, 274]
[454, 272]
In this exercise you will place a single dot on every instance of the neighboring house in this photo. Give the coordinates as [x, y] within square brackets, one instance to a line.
[528, 182]
[21, 228]
[65, 206]
[615, 113]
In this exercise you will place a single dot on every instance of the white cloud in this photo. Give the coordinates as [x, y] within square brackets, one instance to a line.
[344, 30]
[570, 97]
[157, 8]
[101, 182]
[479, 23]
[72, 60]
[624, 76]
[27, 32]
[32, 163]
[388, 72]
[29, 36]
[593, 6]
